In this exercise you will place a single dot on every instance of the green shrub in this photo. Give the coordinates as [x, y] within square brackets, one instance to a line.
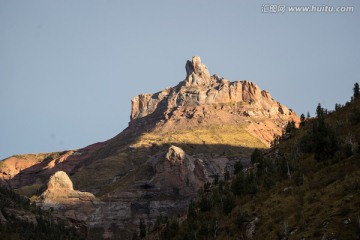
[244, 184]
[354, 117]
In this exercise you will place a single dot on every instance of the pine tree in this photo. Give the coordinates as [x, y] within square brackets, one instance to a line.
[319, 111]
[142, 229]
[238, 167]
[257, 156]
[226, 175]
[302, 120]
[135, 236]
[356, 90]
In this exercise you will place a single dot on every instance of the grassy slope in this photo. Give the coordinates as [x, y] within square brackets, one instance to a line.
[24, 161]
[123, 159]
[113, 171]
[230, 135]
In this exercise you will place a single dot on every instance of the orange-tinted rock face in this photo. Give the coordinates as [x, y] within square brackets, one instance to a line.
[60, 190]
[199, 89]
[210, 98]
[60, 195]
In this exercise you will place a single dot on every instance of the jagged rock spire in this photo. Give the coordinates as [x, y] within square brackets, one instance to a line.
[196, 72]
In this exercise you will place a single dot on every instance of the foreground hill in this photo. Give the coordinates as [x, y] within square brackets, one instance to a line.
[306, 187]
[21, 220]
[177, 140]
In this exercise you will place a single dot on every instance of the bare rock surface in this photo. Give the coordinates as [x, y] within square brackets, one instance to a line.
[60, 195]
[60, 189]
[175, 154]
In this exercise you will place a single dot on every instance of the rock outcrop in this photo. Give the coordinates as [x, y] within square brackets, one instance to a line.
[175, 154]
[197, 73]
[60, 194]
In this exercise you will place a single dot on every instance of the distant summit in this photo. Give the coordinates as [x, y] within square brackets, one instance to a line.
[202, 99]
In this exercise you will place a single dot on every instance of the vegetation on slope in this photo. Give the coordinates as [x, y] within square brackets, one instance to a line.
[20, 220]
[230, 135]
[306, 186]
[113, 171]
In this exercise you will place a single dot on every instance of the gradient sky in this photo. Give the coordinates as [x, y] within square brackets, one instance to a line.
[68, 69]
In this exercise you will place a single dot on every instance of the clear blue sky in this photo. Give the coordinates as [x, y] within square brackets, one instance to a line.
[68, 69]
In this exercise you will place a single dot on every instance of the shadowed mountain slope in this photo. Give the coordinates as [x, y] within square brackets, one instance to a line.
[305, 187]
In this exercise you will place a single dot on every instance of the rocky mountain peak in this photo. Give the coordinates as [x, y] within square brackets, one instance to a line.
[208, 100]
[196, 73]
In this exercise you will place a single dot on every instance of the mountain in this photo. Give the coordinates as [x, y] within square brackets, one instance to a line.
[177, 140]
[204, 100]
